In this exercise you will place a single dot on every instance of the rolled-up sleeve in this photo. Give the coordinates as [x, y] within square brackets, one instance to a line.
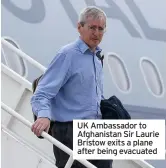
[52, 80]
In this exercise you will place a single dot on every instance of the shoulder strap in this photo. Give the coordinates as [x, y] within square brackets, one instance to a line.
[101, 57]
[35, 83]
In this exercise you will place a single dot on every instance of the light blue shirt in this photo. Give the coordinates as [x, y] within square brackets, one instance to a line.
[71, 88]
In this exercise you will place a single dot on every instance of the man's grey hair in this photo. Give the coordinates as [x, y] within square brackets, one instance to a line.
[91, 11]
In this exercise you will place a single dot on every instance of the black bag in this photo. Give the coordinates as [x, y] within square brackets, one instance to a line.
[112, 108]
[34, 85]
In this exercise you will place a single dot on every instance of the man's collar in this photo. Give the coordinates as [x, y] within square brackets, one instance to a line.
[84, 47]
[98, 49]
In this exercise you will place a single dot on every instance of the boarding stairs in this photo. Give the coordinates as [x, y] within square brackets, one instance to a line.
[20, 147]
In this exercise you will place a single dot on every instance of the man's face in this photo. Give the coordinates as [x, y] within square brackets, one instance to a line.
[92, 31]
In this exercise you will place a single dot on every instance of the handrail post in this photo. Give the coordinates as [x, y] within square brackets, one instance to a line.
[69, 162]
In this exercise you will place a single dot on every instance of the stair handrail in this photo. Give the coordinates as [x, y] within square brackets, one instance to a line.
[23, 55]
[25, 143]
[48, 137]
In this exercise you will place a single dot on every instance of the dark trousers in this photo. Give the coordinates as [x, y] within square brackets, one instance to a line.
[63, 132]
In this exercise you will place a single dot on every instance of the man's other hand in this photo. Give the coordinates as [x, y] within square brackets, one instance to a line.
[40, 125]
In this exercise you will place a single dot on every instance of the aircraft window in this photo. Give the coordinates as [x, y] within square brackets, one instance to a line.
[119, 72]
[152, 77]
[12, 60]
